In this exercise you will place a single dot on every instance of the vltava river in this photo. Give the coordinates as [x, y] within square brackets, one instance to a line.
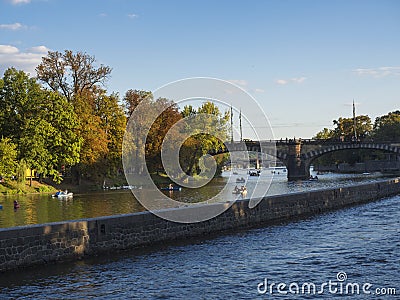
[361, 244]
[39, 209]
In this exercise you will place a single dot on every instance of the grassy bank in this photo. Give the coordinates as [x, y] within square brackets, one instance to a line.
[12, 187]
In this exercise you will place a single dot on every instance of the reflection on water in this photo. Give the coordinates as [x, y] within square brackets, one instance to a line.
[38, 209]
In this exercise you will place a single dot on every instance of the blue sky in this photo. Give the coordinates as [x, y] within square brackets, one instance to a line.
[303, 61]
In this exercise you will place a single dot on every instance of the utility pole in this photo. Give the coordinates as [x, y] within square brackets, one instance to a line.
[231, 124]
[240, 124]
[354, 121]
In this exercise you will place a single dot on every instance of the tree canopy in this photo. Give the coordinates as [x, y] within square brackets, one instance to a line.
[71, 74]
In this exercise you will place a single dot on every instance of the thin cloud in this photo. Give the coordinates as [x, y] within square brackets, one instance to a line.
[103, 15]
[16, 2]
[27, 60]
[14, 26]
[378, 72]
[259, 91]
[239, 82]
[132, 16]
[291, 80]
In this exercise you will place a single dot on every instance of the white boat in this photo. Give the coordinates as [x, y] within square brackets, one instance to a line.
[63, 195]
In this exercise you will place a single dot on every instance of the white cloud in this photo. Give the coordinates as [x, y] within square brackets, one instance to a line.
[281, 81]
[39, 49]
[27, 60]
[20, 1]
[103, 15]
[14, 26]
[259, 90]
[7, 49]
[378, 72]
[291, 80]
[132, 16]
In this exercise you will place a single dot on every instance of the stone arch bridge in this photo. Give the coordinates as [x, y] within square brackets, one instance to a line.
[298, 154]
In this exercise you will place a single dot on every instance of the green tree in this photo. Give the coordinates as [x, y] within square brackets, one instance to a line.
[49, 140]
[207, 135]
[324, 134]
[8, 157]
[41, 123]
[18, 95]
[345, 128]
[387, 127]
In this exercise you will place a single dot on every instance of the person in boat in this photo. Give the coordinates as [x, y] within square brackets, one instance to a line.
[16, 204]
[170, 187]
[243, 192]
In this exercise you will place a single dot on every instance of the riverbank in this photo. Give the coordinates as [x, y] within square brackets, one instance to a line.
[12, 187]
[45, 243]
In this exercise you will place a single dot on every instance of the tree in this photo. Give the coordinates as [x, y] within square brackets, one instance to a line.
[133, 98]
[387, 127]
[113, 122]
[8, 157]
[18, 95]
[345, 128]
[208, 133]
[49, 140]
[160, 127]
[71, 74]
[324, 134]
[41, 123]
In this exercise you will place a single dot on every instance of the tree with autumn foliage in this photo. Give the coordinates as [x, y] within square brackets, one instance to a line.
[101, 120]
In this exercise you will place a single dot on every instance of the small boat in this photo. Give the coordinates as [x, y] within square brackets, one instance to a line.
[240, 180]
[172, 188]
[63, 195]
[315, 178]
[235, 173]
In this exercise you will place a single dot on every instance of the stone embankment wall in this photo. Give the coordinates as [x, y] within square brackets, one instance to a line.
[40, 244]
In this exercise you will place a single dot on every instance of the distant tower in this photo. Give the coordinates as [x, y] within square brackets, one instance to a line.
[354, 121]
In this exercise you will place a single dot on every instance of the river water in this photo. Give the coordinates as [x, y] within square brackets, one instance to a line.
[39, 209]
[361, 244]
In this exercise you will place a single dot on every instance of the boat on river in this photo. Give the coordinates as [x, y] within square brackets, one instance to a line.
[63, 195]
[240, 180]
[172, 188]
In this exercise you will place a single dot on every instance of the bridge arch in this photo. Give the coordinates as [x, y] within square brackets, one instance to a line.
[314, 154]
